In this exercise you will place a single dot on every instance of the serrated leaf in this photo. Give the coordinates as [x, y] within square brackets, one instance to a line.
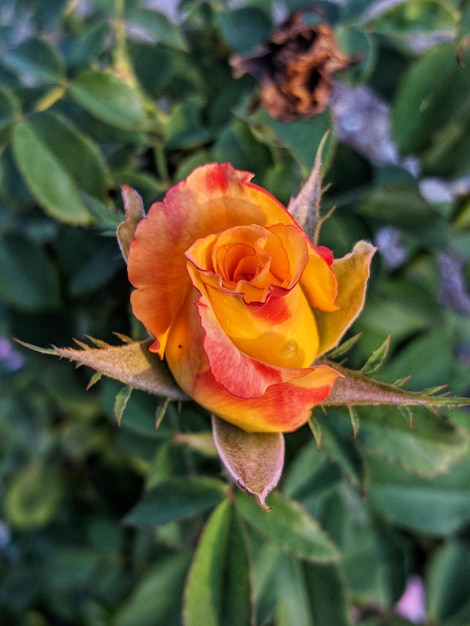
[79, 156]
[175, 499]
[447, 583]
[253, 460]
[290, 526]
[429, 449]
[376, 359]
[109, 99]
[291, 598]
[437, 507]
[120, 403]
[46, 177]
[327, 594]
[131, 364]
[218, 590]
[28, 280]
[155, 596]
[292, 136]
[157, 26]
[36, 58]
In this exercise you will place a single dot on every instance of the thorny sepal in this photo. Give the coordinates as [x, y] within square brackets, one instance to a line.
[253, 460]
[355, 389]
[132, 364]
[305, 206]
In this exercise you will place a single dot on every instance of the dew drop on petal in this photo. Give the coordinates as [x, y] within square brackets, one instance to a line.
[290, 350]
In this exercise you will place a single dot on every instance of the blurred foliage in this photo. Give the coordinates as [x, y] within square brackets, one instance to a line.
[108, 526]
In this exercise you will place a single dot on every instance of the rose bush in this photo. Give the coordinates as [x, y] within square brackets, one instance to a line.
[241, 303]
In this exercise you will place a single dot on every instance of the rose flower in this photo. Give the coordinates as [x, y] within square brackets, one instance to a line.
[239, 300]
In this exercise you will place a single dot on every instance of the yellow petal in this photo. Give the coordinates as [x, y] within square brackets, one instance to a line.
[213, 198]
[352, 273]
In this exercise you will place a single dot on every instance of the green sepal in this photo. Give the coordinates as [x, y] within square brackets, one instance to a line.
[353, 388]
[132, 364]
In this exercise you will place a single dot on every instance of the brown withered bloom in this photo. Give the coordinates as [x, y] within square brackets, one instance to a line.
[294, 68]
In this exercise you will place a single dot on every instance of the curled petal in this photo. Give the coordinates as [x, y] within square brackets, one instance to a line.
[213, 198]
[352, 273]
[319, 282]
[284, 407]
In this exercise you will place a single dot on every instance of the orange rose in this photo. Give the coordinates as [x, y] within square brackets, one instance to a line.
[240, 301]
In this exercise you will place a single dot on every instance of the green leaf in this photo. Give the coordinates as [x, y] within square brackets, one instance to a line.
[89, 44]
[292, 603]
[155, 597]
[403, 206]
[289, 526]
[9, 107]
[327, 594]
[424, 104]
[29, 280]
[310, 475]
[299, 138]
[184, 129]
[75, 151]
[253, 460]
[158, 27]
[429, 448]
[175, 499]
[33, 497]
[46, 177]
[36, 58]
[358, 45]
[131, 364]
[341, 450]
[237, 144]
[437, 507]
[243, 29]
[109, 99]
[447, 584]
[218, 586]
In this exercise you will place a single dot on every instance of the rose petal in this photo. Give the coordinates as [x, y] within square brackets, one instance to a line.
[284, 407]
[352, 273]
[213, 198]
[319, 282]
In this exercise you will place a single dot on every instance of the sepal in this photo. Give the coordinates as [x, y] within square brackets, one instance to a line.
[132, 364]
[353, 388]
[253, 460]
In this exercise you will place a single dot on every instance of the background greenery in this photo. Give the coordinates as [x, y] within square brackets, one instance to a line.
[129, 526]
